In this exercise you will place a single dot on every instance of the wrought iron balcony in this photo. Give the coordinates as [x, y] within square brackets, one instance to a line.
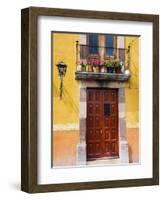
[105, 63]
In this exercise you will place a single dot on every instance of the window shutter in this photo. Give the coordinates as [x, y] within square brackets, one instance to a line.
[120, 41]
[93, 43]
[109, 45]
[83, 47]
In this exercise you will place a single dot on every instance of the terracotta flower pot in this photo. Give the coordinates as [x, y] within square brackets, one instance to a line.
[79, 68]
[97, 69]
[90, 68]
[118, 70]
[83, 68]
[103, 69]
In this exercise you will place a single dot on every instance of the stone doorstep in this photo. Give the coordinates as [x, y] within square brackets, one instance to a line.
[123, 159]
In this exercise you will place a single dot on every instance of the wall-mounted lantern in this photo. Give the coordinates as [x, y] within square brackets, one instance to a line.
[62, 68]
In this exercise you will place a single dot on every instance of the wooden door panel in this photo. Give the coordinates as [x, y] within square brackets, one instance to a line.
[113, 134]
[90, 108]
[97, 122]
[107, 133]
[98, 134]
[113, 109]
[90, 134]
[106, 122]
[97, 95]
[98, 149]
[90, 96]
[90, 146]
[95, 150]
[102, 123]
[97, 109]
[107, 96]
[113, 96]
[114, 148]
[107, 147]
[91, 121]
[94, 135]
[113, 121]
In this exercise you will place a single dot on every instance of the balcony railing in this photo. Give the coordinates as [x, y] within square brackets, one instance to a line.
[102, 63]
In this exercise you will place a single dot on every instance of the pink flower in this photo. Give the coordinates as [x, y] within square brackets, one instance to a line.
[101, 62]
[96, 62]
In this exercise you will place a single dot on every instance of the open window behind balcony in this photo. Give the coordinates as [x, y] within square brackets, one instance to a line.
[93, 43]
[109, 44]
[101, 57]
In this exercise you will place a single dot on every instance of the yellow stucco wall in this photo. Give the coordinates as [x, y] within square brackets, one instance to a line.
[65, 111]
[132, 87]
[132, 100]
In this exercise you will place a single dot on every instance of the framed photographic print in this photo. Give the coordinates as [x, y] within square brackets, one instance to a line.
[90, 99]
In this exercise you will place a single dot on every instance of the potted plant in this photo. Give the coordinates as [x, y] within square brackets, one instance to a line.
[102, 67]
[83, 66]
[96, 65]
[79, 67]
[109, 66]
[90, 67]
[122, 67]
[116, 66]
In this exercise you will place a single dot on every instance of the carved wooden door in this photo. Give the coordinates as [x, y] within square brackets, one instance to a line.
[102, 124]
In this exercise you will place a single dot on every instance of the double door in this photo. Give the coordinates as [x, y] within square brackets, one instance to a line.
[102, 124]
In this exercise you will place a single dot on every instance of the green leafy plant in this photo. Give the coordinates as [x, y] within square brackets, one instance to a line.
[83, 66]
[114, 66]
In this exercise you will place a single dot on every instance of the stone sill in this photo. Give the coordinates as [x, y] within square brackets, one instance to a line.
[101, 76]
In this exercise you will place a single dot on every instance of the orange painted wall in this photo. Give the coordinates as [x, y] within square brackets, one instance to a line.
[65, 146]
[65, 143]
[133, 144]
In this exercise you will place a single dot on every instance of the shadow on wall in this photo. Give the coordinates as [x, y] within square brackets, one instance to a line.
[67, 99]
[130, 153]
[134, 82]
[55, 91]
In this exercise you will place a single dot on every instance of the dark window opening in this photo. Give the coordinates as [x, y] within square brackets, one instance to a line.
[93, 43]
[106, 109]
[109, 44]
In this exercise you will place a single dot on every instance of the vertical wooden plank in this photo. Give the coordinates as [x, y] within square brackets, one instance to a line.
[28, 101]
[24, 99]
[156, 100]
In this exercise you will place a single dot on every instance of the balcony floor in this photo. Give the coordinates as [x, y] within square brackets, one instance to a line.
[79, 75]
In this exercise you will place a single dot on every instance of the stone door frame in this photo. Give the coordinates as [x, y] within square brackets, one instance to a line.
[123, 145]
